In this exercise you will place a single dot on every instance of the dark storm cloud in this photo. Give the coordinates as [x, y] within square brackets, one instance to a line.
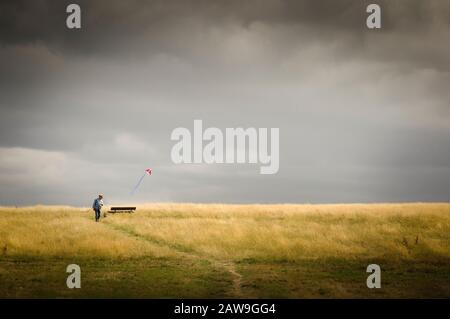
[363, 114]
[155, 26]
[195, 30]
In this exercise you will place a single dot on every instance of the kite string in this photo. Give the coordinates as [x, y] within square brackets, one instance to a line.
[137, 185]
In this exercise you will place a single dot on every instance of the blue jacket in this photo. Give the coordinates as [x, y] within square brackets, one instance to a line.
[98, 203]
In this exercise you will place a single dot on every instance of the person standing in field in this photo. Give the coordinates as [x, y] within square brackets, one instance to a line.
[97, 206]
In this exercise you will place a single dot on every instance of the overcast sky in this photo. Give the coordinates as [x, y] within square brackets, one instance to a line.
[364, 115]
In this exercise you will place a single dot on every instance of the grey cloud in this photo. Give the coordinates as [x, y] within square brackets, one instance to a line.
[140, 28]
[363, 115]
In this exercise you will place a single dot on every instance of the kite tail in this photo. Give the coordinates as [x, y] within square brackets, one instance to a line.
[137, 185]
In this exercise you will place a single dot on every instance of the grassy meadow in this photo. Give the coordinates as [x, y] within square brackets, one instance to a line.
[236, 251]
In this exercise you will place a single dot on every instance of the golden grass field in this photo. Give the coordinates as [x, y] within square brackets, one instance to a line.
[241, 251]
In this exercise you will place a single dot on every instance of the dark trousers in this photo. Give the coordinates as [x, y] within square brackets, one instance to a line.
[97, 214]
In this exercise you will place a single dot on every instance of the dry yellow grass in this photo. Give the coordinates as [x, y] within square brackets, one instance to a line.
[290, 232]
[282, 232]
[65, 231]
[204, 250]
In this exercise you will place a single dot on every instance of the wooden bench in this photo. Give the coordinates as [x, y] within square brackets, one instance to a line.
[122, 210]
